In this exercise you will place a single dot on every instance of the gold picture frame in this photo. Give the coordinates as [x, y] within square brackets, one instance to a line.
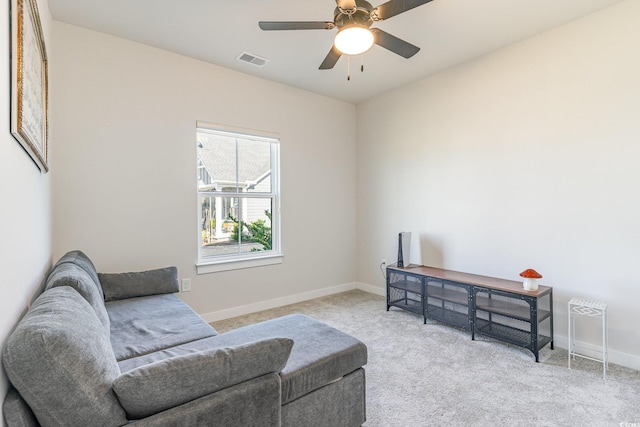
[29, 84]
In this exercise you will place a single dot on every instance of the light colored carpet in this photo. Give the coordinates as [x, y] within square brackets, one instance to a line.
[435, 375]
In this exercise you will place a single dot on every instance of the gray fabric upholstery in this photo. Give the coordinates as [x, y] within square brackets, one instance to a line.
[72, 351]
[81, 260]
[61, 362]
[162, 385]
[147, 324]
[254, 403]
[70, 274]
[16, 411]
[320, 354]
[339, 404]
[176, 351]
[139, 284]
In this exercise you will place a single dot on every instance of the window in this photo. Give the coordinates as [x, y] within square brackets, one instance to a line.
[238, 205]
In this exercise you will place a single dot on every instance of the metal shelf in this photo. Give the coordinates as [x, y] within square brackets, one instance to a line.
[408, 285]
[406, 292]
[408, 304]
[445, 294]
[497, 308]
[509, 309]
[461, 320]
[509, 334]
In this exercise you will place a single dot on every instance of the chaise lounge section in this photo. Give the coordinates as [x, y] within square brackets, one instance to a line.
[115, 349]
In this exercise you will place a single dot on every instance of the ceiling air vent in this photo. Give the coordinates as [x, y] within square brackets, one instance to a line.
[252, 59]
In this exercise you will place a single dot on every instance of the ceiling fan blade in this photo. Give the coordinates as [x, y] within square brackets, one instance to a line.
[331, 59]
[394, 44]
[295, 25]
[396, 7]
[346, 4]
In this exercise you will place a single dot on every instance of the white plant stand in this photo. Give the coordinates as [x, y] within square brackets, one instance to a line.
[584, 307]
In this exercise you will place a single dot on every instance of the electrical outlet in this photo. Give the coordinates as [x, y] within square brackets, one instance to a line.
[186, 285]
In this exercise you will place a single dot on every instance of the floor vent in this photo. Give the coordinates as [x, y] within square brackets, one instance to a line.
[252, 59]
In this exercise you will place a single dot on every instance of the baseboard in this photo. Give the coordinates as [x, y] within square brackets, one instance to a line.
[594, 351]
[372, 289]
[276, 302]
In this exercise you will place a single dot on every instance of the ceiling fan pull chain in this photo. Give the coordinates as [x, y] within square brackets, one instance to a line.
[348, 68]
[362, 63]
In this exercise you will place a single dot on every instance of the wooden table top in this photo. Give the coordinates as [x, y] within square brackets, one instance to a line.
[474, 279]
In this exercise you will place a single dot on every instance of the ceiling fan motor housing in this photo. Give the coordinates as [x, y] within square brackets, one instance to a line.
[360, 16]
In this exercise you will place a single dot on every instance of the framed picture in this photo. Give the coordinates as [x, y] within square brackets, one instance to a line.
[29, 86]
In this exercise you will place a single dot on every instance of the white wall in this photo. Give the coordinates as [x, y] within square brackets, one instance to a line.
[525, 158]
[25, 225]
[124, 193]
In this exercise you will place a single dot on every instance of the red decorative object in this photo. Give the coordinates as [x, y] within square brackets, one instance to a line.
[530, 282]
[530, 273]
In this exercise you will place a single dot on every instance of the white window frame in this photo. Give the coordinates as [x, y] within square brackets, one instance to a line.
[248, 259]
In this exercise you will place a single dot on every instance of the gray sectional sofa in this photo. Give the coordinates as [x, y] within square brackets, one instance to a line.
[114, 349]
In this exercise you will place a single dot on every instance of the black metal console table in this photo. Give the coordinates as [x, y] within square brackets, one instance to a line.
[489, 306]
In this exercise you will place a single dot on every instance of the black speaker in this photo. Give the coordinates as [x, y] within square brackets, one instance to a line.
[404, 246]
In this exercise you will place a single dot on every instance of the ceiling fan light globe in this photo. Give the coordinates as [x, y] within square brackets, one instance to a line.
[353, 40]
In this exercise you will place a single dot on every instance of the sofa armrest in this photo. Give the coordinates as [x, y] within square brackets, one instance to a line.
[156, 387]
[139, 284]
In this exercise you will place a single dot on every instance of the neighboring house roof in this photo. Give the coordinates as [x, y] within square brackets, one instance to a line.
[218, 155]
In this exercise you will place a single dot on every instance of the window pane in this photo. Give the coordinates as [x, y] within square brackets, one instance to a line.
[217, 167]
[254, 172]
[256, 225]
[219, 218]
[222, 217]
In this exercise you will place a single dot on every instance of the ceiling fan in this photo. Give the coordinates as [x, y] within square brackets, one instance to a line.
[353, 19]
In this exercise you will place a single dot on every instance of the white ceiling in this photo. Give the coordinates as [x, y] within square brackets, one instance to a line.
[448, 32]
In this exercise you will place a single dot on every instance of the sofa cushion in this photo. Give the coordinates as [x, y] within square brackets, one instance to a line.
[70, 274]
[16, 411]
[147, 324]
[60, 361]
[81, 260]
[171, 382]
[321, 354]
[202, 344]
[139, 284]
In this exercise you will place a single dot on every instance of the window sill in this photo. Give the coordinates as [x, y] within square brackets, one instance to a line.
[237, 264]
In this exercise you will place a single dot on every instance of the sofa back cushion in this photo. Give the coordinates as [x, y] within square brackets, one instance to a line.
[118, 286]
[81, 260]
[61, 362]
[69, 274]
